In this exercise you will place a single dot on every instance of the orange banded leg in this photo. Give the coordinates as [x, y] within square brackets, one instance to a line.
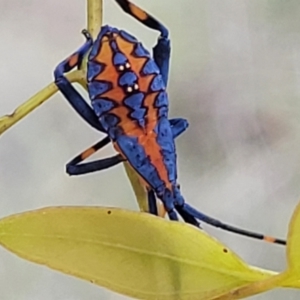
[189, 210]
[143, 17]
[75, 168]
[161, 51]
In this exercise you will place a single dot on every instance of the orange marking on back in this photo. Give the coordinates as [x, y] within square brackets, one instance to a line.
[127, 124]
[269, 239]
[146, 136]
[137, 12]
[87, 153]
[116, 94]
[73, 60]
[153, 151]
[136, 63]
[152, 111]
[104, 55]
[109, 73]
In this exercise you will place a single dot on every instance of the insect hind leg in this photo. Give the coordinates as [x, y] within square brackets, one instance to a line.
[192, 212]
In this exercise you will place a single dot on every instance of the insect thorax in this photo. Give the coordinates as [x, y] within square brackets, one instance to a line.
[125, 85]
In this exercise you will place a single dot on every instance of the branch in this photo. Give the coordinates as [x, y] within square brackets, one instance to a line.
[94, 16]
[94, 21]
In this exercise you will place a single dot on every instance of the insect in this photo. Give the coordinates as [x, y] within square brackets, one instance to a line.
[127, 88]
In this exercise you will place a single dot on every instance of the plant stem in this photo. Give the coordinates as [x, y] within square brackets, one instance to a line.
[94, 23]
[36, 100]
[94, 16]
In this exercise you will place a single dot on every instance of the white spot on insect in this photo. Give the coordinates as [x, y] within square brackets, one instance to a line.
[129, 89]
[136, 86]
[121, 68]
[127, 65]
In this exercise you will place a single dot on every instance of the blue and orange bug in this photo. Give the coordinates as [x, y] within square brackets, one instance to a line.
[127, 88]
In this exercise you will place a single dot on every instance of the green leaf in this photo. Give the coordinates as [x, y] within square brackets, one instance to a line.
[293, 250]
[132, 253]
[288, 278]
[293, 245]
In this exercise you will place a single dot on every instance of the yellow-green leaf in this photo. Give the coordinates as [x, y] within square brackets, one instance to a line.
[132, 253]
[293, 245]
[288, 278]
[293, 250]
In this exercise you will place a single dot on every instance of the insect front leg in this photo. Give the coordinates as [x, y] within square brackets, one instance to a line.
[161, 52]
[67, 89]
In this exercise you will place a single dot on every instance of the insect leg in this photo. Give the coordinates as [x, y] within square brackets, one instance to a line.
[143, 17]
[152, 203]
[161, 55]
[66, 88]
[161, 52]
[178, 126]
[189, 210]
[75, 168]
[188, 218]
[172, 215]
